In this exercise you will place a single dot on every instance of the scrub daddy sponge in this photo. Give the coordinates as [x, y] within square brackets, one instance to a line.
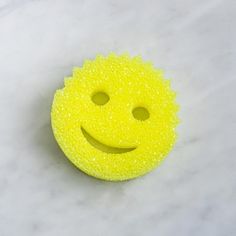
[115, 118]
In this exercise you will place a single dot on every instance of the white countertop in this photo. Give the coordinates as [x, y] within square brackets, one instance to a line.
[193, 192]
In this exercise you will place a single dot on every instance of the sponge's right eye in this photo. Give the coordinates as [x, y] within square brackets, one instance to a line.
[100, 98]
[140, 113]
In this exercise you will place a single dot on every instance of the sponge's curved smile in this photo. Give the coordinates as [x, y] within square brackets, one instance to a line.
[103, 147]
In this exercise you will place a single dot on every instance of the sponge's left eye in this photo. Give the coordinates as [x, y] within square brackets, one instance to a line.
[100, 98]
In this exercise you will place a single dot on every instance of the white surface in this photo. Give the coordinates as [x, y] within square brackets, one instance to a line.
[193, 192]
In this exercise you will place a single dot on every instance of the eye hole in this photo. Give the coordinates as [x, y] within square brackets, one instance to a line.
[140, 113]
[100, 98]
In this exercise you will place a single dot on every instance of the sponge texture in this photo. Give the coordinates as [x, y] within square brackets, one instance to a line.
[115, 118]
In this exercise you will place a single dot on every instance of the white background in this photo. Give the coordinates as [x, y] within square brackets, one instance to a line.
[193, 192]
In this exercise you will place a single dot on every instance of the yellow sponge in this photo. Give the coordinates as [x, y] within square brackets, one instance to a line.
[115, 118]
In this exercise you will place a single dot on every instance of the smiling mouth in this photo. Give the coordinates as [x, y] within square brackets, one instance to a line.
[103, 147]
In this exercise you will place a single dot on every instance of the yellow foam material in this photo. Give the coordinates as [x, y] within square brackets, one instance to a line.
[125, 134]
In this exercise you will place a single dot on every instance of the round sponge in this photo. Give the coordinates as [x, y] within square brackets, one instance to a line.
[115, 118]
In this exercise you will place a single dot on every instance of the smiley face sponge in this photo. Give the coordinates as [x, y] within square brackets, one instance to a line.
[115, 118]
